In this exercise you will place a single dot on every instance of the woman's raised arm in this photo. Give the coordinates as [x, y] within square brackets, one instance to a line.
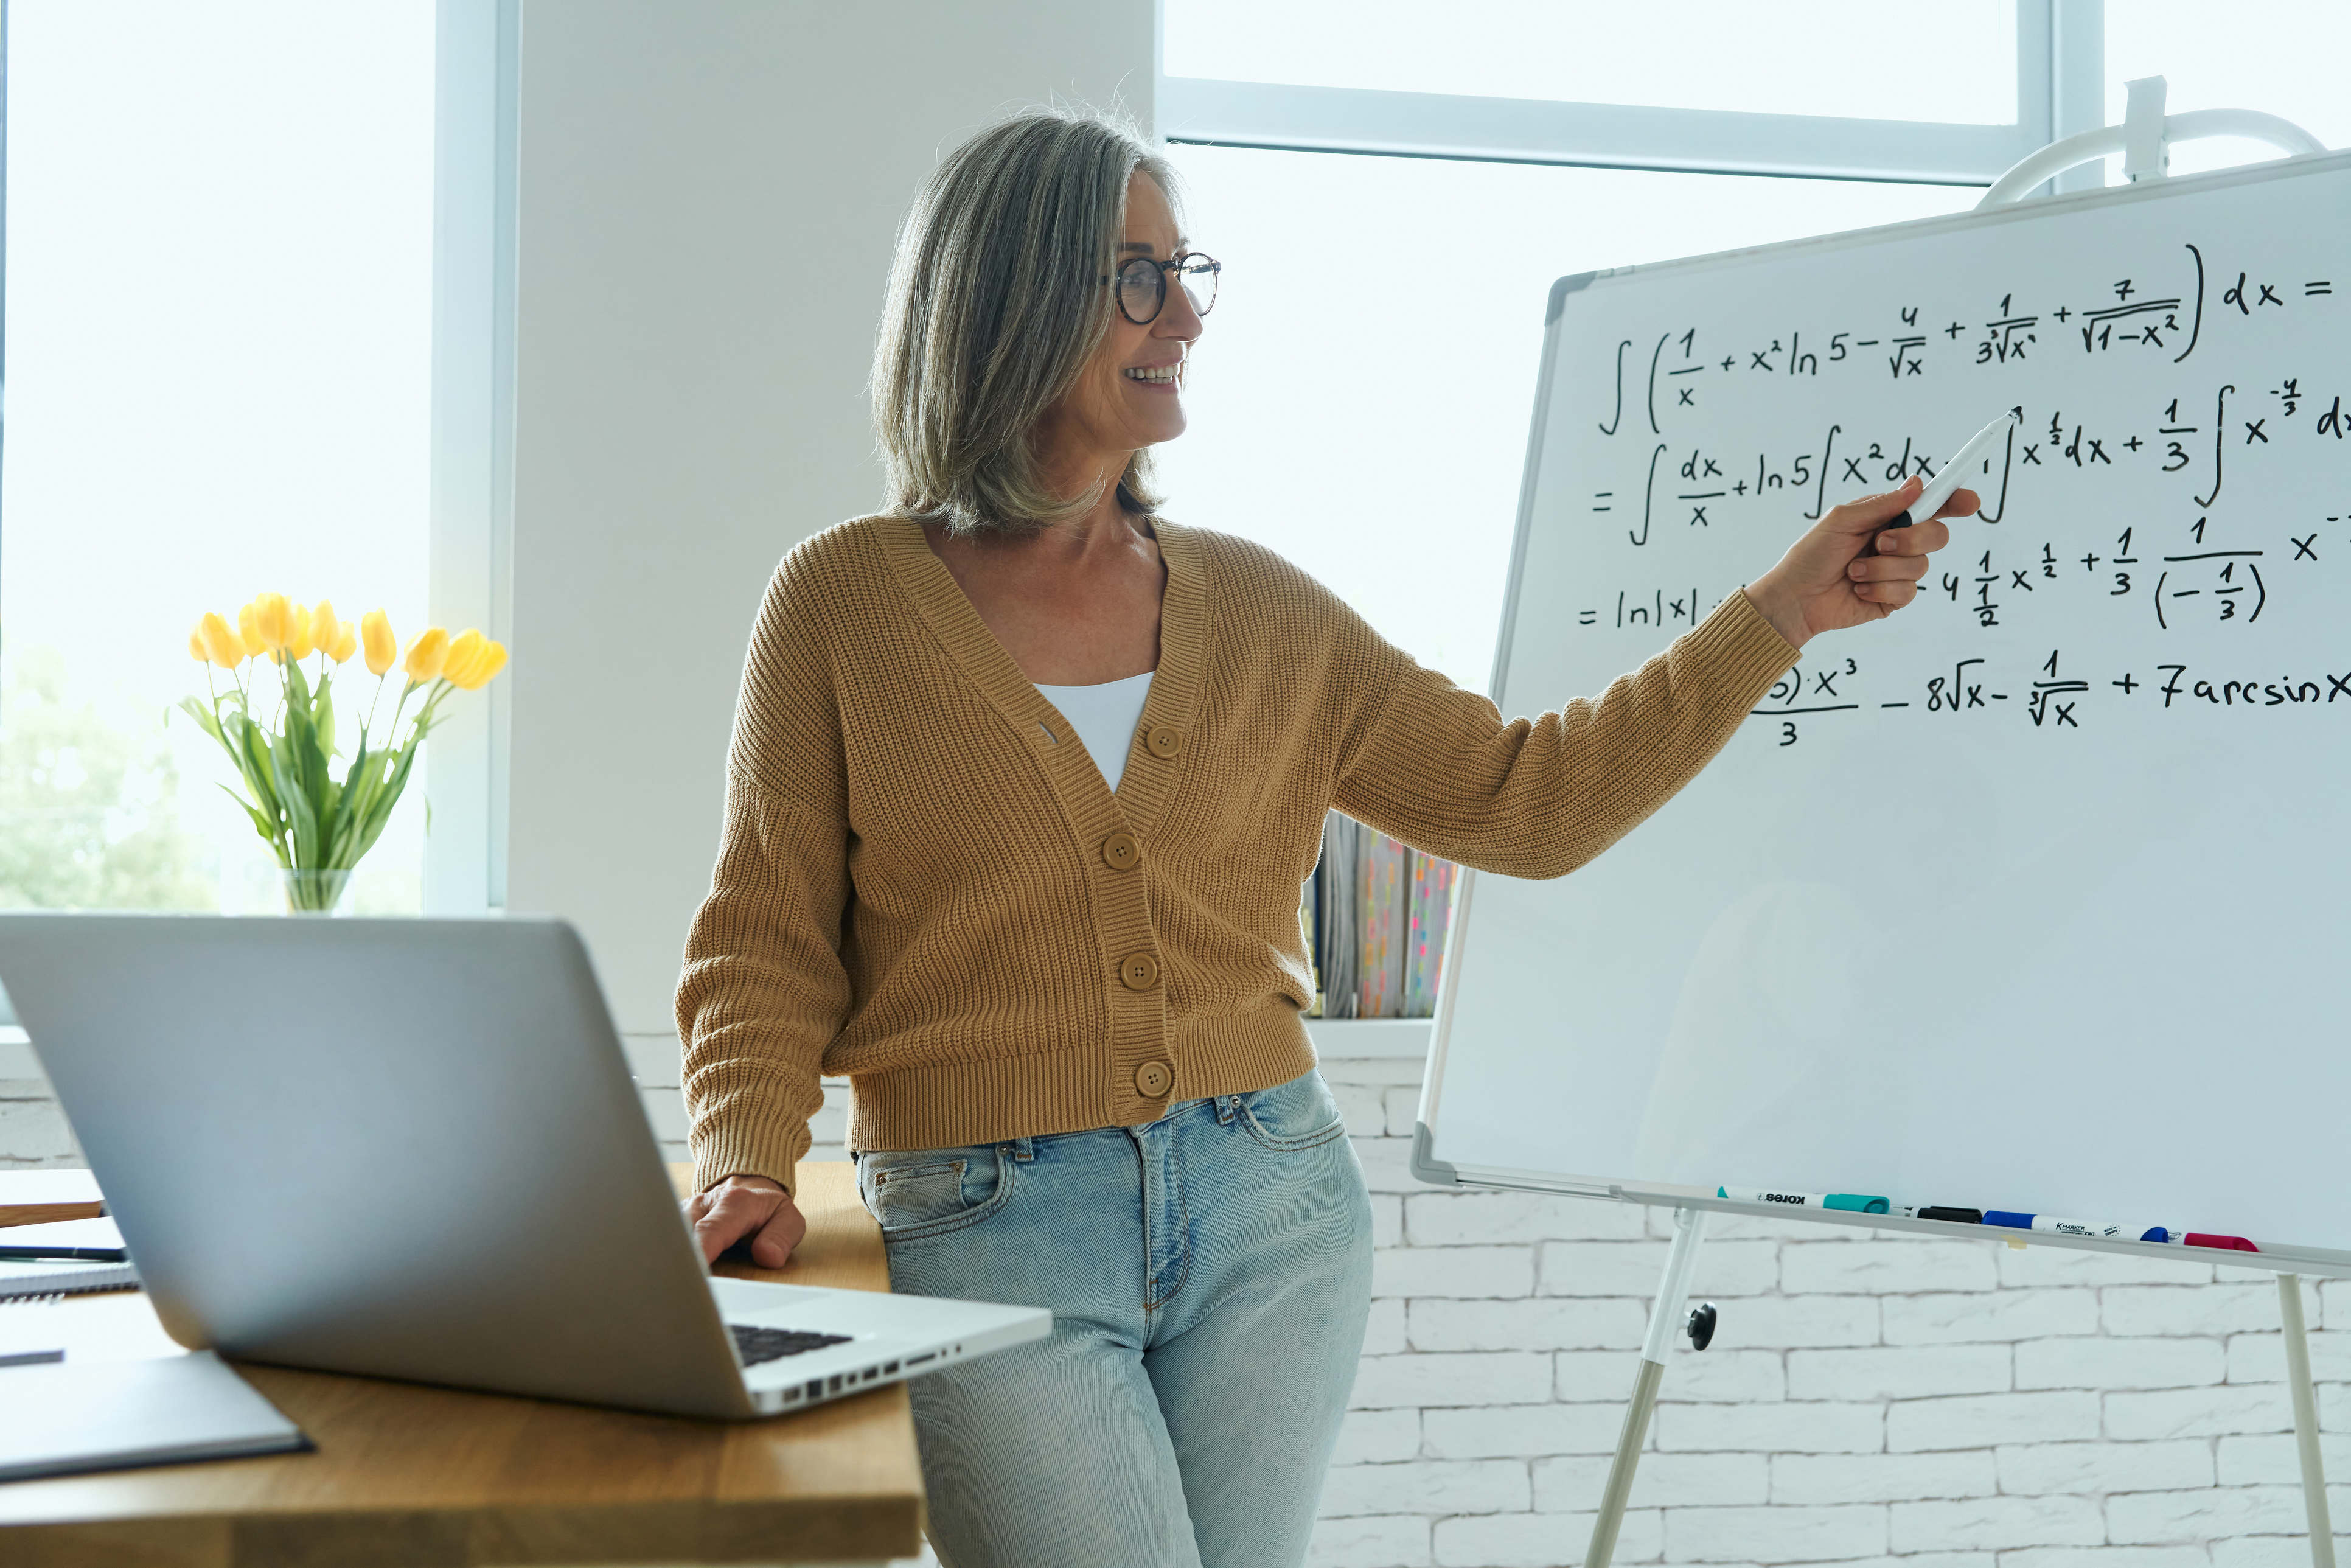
[1441, 769]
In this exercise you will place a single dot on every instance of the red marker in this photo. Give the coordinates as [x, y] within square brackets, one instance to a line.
[2230, 1243]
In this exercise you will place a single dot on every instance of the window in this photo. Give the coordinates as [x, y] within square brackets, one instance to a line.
[1360, 396]
[219, 266]
[1723, 55]
[1958, 91]
[2284, 58]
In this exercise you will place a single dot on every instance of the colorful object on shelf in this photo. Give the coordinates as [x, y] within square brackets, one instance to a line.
[1374, 916]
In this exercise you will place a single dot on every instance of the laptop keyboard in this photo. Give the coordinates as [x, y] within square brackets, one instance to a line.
[758, 1344]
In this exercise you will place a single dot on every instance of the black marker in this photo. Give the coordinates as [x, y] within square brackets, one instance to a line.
[1956, 1216]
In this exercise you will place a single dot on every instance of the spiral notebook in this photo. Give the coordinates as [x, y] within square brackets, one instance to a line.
[61, 1276]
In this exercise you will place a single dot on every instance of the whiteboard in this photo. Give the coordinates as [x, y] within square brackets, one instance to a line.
[2036, 896]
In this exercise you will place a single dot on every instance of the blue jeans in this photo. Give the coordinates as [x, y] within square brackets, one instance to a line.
[1209, 1277]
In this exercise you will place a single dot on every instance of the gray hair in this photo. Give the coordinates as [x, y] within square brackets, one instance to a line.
[996, 306]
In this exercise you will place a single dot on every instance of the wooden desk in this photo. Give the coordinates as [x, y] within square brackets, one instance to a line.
[41, 1196]
[411, 1475]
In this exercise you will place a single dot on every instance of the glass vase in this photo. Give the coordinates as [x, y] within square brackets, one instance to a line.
[315, 892]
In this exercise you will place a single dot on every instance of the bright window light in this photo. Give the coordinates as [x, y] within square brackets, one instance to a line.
[218, 346]
[1360, 399]
[2284, 57]
[1953, 63]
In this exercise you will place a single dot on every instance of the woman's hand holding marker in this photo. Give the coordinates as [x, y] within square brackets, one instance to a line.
[1855, 566]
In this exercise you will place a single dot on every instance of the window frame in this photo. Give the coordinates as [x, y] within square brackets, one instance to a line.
[476, 64]
[2059, 55]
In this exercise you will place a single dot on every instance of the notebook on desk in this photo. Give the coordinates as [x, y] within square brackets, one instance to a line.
[100, 1239]
[71, 1416]
[61, 1276]
[35, 1196]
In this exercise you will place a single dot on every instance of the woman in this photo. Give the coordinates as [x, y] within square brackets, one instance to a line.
[1024, 781]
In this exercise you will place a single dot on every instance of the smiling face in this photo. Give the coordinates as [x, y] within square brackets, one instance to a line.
[1130, 394]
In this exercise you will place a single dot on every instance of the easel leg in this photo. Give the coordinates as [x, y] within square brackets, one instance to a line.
[2305, 1422]
[1665, 1322]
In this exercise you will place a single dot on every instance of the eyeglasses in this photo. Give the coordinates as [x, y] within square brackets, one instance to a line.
[1143, 285]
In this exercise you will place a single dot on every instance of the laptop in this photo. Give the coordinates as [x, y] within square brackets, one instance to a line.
[411, 1148]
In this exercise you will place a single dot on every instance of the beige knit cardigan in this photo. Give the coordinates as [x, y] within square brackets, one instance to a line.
[924, 883]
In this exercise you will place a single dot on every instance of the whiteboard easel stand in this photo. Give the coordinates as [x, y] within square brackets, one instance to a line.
[1673, 1291]
[2306, 1421]
[2143, 139]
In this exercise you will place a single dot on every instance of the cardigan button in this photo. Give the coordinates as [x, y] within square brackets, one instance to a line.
[1121, 851]
[1140, 971]
[1164, 740]
[1153, 1079]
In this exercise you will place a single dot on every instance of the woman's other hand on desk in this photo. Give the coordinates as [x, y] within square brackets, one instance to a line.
[749, 1210]
[1851, 568]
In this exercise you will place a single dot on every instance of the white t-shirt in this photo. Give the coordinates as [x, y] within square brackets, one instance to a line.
[1105, 718]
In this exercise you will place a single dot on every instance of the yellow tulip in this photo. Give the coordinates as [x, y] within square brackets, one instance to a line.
[196, 643]
[426, 652]
[375, 631]
[480, 672]
[323, 626]
[248, 630]
[222, 645]
[473, 661]
[272, 617]
[347, 642]
[301, 645]
[463, 648]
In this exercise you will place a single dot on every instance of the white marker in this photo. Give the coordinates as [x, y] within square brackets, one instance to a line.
[1938, 489]
[2050, 1225]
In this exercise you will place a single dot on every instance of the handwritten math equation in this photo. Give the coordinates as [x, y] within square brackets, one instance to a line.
[2177, 441]
[2058, 696]
[2136, 315]
[2179, 432]
[2034, 587]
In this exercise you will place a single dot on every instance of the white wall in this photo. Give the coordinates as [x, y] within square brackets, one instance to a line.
[709, 190]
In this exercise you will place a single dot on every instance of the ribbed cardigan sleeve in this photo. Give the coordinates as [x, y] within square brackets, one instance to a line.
[1440, 769]
[763, 991]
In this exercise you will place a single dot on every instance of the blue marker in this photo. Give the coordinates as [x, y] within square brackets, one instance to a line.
[1851, 1202]
[2050, 1224]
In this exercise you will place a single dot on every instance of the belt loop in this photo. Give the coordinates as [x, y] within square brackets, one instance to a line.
[1021, 1149]
[1227, 1104]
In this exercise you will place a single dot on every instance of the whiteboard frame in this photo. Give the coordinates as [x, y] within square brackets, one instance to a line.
[1423, 1163]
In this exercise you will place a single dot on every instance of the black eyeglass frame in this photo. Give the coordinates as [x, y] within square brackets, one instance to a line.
[1180, 262]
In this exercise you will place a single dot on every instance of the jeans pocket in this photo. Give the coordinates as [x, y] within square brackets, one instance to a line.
[1298, 1115]
[914, 1193]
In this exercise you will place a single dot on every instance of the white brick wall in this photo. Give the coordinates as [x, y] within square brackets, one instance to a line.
[1869, 1401]
[33, 1131]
